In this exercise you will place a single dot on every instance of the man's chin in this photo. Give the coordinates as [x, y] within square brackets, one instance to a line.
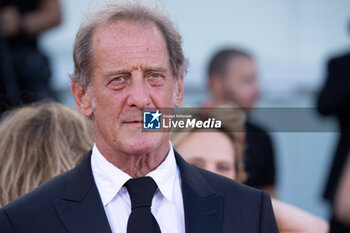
[142, 146]
[140, 150]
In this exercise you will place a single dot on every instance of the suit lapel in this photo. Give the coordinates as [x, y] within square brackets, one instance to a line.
[81, 209]
[202, 206]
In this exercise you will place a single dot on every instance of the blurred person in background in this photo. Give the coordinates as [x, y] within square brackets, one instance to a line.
[38, 142]
[232, 77]
[221, 151]
[334, 100]
[25, 70]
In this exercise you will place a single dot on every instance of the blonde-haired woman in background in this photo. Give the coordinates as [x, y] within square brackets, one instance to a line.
[38, 142]
[221, 151]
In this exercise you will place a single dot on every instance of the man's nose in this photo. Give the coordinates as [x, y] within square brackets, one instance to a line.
[139, 95]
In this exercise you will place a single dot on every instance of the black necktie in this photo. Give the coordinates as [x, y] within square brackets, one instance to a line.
[141, 219]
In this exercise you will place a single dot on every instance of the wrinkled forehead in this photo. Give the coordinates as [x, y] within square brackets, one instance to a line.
[124, 43]
[117, 32]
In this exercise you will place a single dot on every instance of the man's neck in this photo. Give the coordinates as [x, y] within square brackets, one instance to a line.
[136, 165]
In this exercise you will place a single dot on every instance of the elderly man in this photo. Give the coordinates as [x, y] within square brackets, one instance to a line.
[128, 58]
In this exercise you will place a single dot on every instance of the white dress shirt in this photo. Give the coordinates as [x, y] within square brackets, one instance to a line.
[167, 203]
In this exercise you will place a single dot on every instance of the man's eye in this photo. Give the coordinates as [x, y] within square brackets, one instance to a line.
[119, 78]
[155, 75]
[155, 79]
[118, 82]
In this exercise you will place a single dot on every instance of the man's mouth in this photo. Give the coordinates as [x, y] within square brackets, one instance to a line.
[134, 122]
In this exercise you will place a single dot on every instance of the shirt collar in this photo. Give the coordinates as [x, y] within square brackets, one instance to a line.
[110, 179]
[165, 174]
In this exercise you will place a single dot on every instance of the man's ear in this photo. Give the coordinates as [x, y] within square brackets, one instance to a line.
[82, 99]
[179, 98]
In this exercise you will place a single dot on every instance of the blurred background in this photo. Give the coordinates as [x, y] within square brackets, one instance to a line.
[291, 41]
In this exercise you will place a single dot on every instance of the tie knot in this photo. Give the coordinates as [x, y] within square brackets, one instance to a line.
[141, 191]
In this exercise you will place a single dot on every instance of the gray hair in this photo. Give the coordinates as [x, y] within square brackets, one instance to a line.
[83, 54]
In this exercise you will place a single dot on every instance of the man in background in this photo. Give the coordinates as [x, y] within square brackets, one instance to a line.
[24, 69]
[334, 100]
[233, 79]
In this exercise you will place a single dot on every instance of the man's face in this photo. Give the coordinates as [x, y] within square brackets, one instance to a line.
[240, 83]
[131, 71]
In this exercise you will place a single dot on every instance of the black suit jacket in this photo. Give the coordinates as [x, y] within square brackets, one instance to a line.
[71, 203]
[334, 100]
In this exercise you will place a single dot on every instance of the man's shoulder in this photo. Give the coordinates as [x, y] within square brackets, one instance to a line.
[72, 184]
[44, 193]
[339, 59]
[198, 178]
[36, 210]
[241, 208]
[240, 200]
[228, 187]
